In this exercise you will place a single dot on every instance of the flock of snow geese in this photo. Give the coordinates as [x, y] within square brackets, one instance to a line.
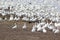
[32, 13]
[41, 27]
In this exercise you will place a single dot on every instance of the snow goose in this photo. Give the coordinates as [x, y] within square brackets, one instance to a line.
[33, 19]
[44, 30]
[39, 18]
[11, 17]
[39, 27]
[24, 26]
[50, 27]
[42, 23]
[25, 18]
[15, 26]
[56, 30]
[3, 14]
[34, 28]
[44, 26]
[57, 24]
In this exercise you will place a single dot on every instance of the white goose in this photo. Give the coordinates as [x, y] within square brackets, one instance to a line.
[44, 30]
[56, 30]
[11, 17]
[39, 27]
[15, 26]
[24, 26]
[42, 23]
[34, 28]
[50, 26]
[33, 19]
[3, 14]
[44, 26]
[25, 18]
[57, 24]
